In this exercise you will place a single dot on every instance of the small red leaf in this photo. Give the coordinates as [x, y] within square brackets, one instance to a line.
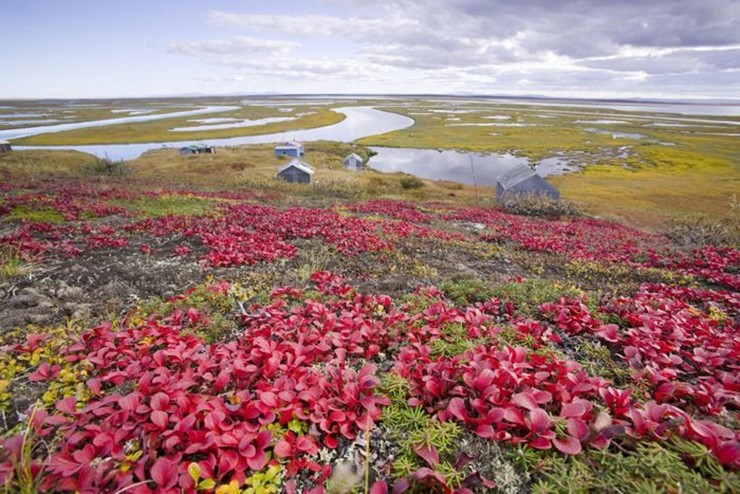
[307, 445]
[429, 453]
[568, 445]
[164, 473]
[283, 449]
[456, 408]
[160, 418]
[379, 487]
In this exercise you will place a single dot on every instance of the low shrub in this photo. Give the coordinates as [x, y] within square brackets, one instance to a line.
[539, 205]
[696, 231]
[107, 166]
[342, 189]
[410, 182]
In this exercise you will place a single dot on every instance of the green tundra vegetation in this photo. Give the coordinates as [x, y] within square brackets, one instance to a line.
[159, 130]
[644, 169]
[670, 171]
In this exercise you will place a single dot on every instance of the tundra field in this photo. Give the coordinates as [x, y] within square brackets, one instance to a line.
[190, 324]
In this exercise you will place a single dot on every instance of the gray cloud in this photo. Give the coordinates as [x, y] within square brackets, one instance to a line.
[567, 44]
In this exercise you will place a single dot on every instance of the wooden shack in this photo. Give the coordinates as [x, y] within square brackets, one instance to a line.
[353, 162]
[294, 149]
[197, 149]
[522, 180]
[297, 172]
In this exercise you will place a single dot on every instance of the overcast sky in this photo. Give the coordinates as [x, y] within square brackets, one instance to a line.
[574, 48]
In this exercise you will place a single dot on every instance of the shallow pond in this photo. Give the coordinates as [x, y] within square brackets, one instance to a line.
[458, 166]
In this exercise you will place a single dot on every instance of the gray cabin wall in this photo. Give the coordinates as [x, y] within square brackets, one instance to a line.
[535, 185]
[295, 153]
[295, 176]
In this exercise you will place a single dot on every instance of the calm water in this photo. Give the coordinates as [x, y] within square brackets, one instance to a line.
[361, 121]
[46, 129]
[715, 109]
[456, 165]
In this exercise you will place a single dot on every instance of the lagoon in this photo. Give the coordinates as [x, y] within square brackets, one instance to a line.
[458, 166]
[360, 121]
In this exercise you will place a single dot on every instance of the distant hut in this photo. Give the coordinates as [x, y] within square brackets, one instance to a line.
[5, 147]
[294, 149]
[197, 149]
[297, 172]
[353, 162]
[523, 180]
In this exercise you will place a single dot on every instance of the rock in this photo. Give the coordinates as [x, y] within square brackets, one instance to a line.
[45, 304]
[83, 312]
[66, 292]
[25, 300]
[38, 318]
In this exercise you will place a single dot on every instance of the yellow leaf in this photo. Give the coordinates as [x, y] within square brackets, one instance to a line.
[207, 484]
[232, 488]
[194, 471]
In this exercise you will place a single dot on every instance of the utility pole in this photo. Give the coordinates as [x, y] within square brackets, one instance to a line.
[475, 181]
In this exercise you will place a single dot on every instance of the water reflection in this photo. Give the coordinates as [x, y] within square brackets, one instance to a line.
[458, 166]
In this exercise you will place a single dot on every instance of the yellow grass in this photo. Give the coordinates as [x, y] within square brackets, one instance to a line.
[45, 163]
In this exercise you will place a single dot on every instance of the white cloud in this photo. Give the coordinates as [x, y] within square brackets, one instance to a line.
[237, 45]
[313, 25]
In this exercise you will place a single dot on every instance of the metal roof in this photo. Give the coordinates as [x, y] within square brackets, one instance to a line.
[196, 146]
[353, 155]
[289, 145]
[516, 175]
[301, 165]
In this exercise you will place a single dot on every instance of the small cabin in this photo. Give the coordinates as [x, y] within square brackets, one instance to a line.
[353, 162]
[294, 149]
[197, 149]
[523, 180]
[297, 172]
[5, 147]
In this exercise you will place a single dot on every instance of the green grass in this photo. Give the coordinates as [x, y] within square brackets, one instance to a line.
[11, 266]
[662, 183]
[41, 215]
[170, 205]
[527, 295]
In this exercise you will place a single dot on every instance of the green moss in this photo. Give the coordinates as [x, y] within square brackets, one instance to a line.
[170, 205]
[649, 468]
[11, 266]
[598, 360]
[412, 428]
[454, 341]
[219, 310]
[527, 296]
[41, 215]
